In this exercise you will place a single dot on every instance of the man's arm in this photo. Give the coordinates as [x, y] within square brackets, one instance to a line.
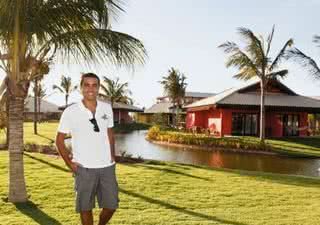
[64, 152]
[111, 141]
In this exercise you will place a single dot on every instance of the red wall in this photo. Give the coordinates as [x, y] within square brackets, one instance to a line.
[202, 118]
[273, 121]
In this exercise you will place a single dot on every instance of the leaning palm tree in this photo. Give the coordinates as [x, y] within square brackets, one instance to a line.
[175, 88]
[254, 61]
[35, 30]
[306, 61]
[115, 91]
[65, 87]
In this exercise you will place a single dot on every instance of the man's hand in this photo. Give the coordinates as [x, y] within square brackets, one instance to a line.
[74, 166]
[113, 159]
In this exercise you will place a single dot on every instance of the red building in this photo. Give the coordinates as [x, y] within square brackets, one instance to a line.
[236, 111]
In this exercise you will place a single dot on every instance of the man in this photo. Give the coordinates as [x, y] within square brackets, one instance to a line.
[93, 163]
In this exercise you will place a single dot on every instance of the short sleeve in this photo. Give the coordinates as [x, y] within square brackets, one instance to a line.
[64, 124]
[110, 117]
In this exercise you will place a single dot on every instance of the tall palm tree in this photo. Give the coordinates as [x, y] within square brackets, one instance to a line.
[306, 61]
[34, 30]
[42, 70]
[40, 93]
[65, 87]
[254, 61]
[115, 91]
[175, 88]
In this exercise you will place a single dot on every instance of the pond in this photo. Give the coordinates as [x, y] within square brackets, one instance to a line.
[135, 144]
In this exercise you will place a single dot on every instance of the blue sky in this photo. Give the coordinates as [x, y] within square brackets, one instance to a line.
[185, 34]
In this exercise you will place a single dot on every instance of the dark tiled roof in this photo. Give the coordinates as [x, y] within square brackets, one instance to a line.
[162, 107]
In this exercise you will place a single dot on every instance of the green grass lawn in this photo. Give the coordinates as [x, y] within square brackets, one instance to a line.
[158, 193]
[299, 146]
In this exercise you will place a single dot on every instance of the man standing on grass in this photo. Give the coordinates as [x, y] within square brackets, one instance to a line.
[89, 122]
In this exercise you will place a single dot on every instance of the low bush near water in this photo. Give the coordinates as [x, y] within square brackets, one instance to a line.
[156, 134]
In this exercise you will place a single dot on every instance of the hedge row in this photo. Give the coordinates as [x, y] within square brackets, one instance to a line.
[156, 134]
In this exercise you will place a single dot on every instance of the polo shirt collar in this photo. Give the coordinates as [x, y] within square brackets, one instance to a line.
[85, 109]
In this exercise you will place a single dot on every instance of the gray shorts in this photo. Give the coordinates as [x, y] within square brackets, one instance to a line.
[92, 183]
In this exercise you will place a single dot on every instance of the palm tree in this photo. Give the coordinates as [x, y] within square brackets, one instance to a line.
[34, 30]
[42, 70]
[305, 60]
[255, 61]
[40, 93]
[114, 91]
[175, 88]
[65, 87]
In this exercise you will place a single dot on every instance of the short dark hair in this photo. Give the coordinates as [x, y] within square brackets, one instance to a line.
[86, 75]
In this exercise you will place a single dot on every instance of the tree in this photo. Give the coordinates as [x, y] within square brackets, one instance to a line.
[43, 70]
[34, 30]
[40, 93]
[175, 88]
[255, 61]
[115, 91]
[65, 87]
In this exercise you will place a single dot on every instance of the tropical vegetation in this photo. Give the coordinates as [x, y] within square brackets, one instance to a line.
[295, 146]
[35, 31]
[254, 61]
[174, 86]
[115, 91]
[66, 87]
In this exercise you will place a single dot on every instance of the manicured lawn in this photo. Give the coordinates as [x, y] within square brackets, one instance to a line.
[158, 193]
[46, 133]
[299, 146]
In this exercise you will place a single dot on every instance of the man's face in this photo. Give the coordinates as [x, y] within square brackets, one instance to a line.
[90, 88]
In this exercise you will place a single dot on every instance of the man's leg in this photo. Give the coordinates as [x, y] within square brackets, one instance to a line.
[85, 186]
[86, 217]
[107, 194]
[105, 216]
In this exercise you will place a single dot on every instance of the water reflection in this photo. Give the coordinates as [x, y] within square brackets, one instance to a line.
[136, 145]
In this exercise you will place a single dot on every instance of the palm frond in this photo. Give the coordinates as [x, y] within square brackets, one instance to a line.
[274, 75]
[100, 45]
[229, 47]
[254, 45]
[304, 61]
[58, 88]
[316, 39]
[281, 55]
[269, 41]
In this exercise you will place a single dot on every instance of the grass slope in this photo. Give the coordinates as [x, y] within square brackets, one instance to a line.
[159, 193]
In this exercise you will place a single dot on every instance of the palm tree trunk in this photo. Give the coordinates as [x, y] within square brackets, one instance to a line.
[17, 186]
[35, 118]
[7, 121]
[262, 112]
[39, 109]
[67, 97]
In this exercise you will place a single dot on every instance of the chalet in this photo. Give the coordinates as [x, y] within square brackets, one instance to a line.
[236, 111]
[165, 107]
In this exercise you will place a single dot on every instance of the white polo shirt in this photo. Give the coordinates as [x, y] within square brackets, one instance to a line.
[91, 149]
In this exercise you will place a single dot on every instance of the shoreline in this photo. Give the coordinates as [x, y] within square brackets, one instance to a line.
[211, 149]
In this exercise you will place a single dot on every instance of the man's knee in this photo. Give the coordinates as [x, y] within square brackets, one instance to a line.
[109, 211]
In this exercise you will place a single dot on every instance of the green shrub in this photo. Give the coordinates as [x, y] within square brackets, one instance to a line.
[158, 134]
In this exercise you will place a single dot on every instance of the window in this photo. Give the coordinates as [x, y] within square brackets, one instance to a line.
[244, 124]
[290, 125]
